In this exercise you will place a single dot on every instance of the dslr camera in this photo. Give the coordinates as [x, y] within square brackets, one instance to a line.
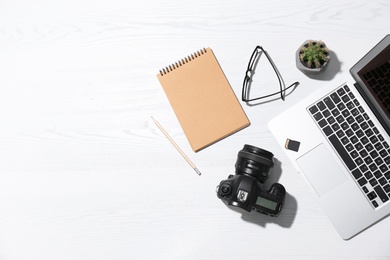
[245, 189]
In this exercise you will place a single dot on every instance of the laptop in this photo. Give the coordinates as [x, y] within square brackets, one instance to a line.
[338, 138]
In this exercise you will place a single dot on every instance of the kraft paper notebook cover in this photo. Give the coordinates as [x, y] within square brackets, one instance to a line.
[202, 99]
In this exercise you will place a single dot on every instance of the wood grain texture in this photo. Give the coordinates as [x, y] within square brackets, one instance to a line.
[84, 172]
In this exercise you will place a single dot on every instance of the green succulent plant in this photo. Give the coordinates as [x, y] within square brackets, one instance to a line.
[314, 54]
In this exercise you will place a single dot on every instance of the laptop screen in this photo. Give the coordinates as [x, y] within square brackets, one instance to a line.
[372, 75]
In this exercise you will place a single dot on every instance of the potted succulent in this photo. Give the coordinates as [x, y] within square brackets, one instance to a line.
[312, 56]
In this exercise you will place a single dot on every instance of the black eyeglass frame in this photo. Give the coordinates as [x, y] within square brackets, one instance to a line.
[250, 72]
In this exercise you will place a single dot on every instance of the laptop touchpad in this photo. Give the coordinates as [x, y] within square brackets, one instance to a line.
[321, 170]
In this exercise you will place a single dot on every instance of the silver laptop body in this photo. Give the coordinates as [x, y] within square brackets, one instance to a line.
[341, 142]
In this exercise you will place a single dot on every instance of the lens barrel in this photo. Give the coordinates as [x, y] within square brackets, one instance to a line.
[255, 162]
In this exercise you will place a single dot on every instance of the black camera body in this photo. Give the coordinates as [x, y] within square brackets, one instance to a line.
[244, 190]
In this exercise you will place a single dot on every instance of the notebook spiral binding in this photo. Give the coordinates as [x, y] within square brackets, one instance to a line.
[181, 62]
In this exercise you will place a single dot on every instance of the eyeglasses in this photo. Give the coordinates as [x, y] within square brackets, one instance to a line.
[250, 72]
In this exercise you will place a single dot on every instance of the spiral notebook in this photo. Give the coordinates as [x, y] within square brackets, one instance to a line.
[202, 99]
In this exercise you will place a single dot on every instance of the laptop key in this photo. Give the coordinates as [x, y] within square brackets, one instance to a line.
[373, 167]
[329, 103]
[341, 91]
[331, 120]
[377, 174]
[335, 112]
[327, 130]
[345, 98]
[368, 175]
[368, 160]
[350, 119]
[369, 147]
[355, 127]
[382, 181]
[322, 123]
[345, 113]
[335, 98]
[354, 154]
[363, 153]
[336, 127]
[342, 152]
[359, 119]
[350, 106]
[356, 173]
[349, 147]
[383, 168]
[373, 182]
[321, 105]
[372, 195]
[387, 160]
[318, 116]
[345, 140]
[360, 133]
[341, 106]
[355, 112]
[313, 110]
[354, 139]
[359, 161]
[326, 113]
[382, 195]
[356, 102]
[378, 146]
[359, 146]
[374, 154]
[362, 181]
[340, 120]
[364, 140]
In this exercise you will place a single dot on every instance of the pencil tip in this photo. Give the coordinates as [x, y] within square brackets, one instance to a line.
[197, 171]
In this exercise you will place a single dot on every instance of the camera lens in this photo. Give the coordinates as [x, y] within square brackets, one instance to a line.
[254, 162]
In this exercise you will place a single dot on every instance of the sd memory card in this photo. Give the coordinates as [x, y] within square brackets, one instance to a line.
[292, 145]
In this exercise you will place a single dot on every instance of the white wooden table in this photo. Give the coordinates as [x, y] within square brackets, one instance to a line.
[84, 172]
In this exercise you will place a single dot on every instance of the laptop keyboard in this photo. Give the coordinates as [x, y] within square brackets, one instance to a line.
[357, 141]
